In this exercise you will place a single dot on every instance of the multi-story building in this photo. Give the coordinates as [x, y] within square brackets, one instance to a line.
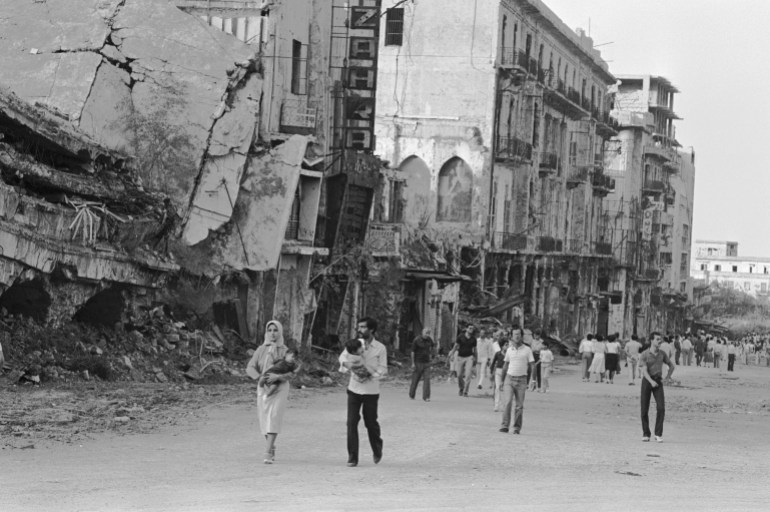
[648, 217]
[719, 262]
[495, 133]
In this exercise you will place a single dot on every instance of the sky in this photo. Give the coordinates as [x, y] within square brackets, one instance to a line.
[713, 52]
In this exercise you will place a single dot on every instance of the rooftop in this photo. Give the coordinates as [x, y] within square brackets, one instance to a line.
[653, 78]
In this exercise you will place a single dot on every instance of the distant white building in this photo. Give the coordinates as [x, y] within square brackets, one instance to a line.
[719, 262]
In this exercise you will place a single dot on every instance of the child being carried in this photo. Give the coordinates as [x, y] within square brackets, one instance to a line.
[354, 357]
[288, 364]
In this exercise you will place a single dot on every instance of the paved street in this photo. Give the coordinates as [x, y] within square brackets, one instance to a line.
[580, 450]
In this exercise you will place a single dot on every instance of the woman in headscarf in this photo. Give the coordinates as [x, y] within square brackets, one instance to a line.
[270, 408]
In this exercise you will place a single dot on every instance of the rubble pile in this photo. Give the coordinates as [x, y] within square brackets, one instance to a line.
[153, 348]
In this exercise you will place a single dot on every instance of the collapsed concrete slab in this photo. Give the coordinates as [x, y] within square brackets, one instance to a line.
[127, 154]
[143, 78]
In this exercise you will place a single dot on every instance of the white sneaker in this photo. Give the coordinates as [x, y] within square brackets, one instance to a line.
[658, 439]
[645, 439]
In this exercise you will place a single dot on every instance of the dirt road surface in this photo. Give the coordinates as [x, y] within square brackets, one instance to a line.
[580, 449]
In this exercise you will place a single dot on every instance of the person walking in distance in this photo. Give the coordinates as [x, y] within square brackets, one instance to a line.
[632, 349]
[586, 355]
[731, 351]
[518, 361]
[422, 354]
[498, 361]
[687, 350]
[364, 395]
[546, 363]
[465, 349]
[651, 362]
[484, 353]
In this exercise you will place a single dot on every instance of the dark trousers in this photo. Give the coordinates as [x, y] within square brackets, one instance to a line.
[698, 358]
[676, 357]
[538, 374]
[421, 371]
[660, 403]
[368, 405]
[730, 362]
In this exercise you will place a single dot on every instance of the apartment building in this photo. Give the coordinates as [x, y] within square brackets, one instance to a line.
[649, 214]
[719, 262]
[494, 117]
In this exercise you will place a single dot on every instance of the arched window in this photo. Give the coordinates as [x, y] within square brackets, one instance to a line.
[416, 196]
[455, 191]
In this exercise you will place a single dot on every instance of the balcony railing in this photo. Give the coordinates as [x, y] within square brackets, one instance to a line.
[549, 160]
[575, 246]
[654, 186]
[577, 176]
[512, 147]
[573, 96]
[603, 248]
[533, 66]
[511, 241]
[510, 57]
[602, 183]
[549, 244]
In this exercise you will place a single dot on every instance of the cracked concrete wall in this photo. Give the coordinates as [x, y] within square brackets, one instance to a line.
[142, 77]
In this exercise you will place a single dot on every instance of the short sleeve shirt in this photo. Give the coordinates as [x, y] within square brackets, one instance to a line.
[465, 345]
[518, 360]
[654, 362]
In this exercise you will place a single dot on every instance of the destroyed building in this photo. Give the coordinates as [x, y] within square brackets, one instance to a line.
[137, 166]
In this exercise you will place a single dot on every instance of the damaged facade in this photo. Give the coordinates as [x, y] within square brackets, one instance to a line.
[648, 217]
[501, 153]
[137, 150]
[502, 141]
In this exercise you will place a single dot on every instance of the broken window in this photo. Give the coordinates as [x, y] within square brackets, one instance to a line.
[394, 27]
[396, 201]
[735, 268]
[455, 191]
[717, 268]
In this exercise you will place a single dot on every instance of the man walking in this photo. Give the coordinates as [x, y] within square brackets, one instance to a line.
[465, 346]
[586, 355]
[687, 350]
[518, 361]
[364, 394]
[632, 349]
[422, 353]
[651, 362]
[484, 353]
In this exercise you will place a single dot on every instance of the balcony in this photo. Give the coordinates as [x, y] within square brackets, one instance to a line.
[549, 244]
[653, 187]
[579, 175]
[549, 162]
[670, 197]
[297, 117]
[602, 184]
[586, 104]
[561, 88]
[603, 248]
[384, 239]
[573, 96]
[510, 58]
[606, 125]
[512, 148]
[512, 241]
[635, 119]
[576, 246]
[666, 154]
[541, 75]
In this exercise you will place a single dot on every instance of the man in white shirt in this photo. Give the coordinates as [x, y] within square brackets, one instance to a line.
[484, 354]
[632, 349]
[586, 355]
[686, 351]
[518, 362]
[364, 395]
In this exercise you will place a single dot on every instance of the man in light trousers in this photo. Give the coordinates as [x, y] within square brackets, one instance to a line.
[518, 361]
